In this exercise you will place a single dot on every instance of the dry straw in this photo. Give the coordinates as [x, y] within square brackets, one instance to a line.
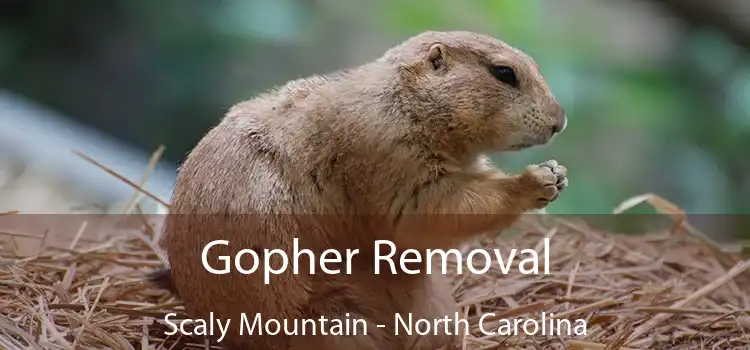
[670, 289]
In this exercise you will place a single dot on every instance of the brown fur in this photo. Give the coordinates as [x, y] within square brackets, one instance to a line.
[394, 149]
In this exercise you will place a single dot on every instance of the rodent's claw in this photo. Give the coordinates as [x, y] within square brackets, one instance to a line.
[546, 181]
[560, 171]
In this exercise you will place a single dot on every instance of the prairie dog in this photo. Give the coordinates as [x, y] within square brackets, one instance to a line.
[395, 149]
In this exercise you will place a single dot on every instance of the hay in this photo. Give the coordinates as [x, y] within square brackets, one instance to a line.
[661, 290]
[671, 289]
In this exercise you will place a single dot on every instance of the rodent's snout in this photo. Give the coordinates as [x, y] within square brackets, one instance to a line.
[562, 122]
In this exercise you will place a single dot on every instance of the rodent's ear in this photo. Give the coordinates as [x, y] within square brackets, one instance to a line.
[436, 56]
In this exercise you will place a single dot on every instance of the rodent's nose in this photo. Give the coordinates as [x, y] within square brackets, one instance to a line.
[560, 127]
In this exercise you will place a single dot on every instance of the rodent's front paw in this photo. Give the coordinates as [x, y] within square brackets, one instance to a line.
[544, 182]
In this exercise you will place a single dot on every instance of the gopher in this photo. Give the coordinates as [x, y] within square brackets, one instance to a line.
[395, 149]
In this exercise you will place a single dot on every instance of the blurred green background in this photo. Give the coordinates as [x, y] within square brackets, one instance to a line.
[657, 92]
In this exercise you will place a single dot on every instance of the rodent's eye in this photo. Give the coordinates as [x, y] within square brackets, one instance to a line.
[505, 74]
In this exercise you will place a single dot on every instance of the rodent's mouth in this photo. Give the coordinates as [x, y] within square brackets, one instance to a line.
[527, 140]
[520, 146]
[530, 142]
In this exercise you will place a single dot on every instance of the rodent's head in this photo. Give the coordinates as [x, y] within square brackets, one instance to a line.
[476, 90]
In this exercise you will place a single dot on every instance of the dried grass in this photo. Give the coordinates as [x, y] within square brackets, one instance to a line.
[661, 290]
